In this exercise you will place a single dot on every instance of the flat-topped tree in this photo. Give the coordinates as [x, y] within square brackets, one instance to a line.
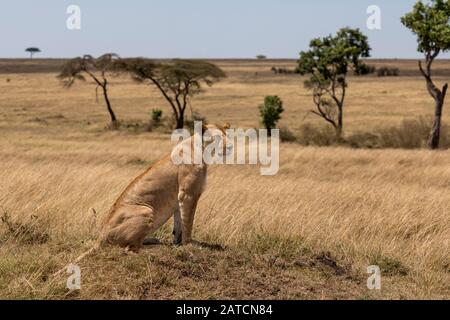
[430, 23]
[95, 68]
[328, 62]
[177, 81]
[32, 51]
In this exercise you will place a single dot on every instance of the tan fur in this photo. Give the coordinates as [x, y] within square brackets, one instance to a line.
[163, 191]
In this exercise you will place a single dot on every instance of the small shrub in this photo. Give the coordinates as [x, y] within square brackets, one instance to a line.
[411, 134]
[30, 232]
[155, 121]
[388, 72]
[364, 140]
[366, 69]
[271, 111]
[389, 266]
[311, 135]
[157, 115]
[287, 135]
[277, 70]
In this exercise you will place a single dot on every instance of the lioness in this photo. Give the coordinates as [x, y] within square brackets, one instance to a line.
[164, 190]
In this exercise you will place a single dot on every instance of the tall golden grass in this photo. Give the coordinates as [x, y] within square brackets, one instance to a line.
[385, 207]
[363, 206]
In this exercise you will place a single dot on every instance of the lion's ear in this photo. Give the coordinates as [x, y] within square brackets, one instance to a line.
[226, 126]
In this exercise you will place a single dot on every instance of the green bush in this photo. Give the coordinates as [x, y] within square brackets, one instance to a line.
[157, 115]
[271, 111]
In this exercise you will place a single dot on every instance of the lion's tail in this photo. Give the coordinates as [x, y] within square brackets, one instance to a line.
[88, 252]
[81, 257]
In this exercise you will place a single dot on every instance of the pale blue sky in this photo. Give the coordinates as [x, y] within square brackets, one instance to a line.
[196, 28]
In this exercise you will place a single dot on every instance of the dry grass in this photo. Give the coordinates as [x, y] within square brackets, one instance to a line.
[308, 233]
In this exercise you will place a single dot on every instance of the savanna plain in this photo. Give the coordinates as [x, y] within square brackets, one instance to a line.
[309, 232]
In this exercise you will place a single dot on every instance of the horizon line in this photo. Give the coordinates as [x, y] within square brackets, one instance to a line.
[211, 58]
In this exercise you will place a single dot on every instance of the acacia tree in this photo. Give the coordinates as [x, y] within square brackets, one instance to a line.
[430, 22]
[32, 51]
[96, 69]
[328, 63]
[177, 81]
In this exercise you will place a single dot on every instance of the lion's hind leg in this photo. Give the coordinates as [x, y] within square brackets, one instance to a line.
[130, 227]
